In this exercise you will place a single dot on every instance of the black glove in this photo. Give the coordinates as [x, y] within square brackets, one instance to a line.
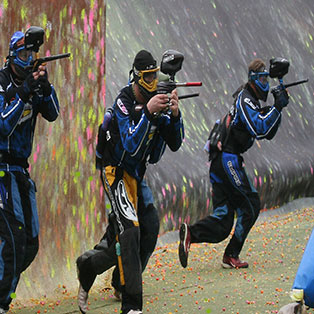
[28, 87]
[281, 98]
[45, 85]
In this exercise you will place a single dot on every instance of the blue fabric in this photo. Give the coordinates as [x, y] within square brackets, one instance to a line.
[233, 169]
[147, 194]
[239, 230]
[16, 198]
[258, 123]
[142, 140]
[2, 242]
[220, 212]
[305, 276]
[18, 119]
[35, 219]
[214, 178]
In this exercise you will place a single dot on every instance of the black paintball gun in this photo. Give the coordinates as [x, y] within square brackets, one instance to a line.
[278, 68]
[34, 38]
[171, 63]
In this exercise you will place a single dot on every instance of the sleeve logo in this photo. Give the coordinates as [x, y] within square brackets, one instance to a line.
[249, 102]
[121, 106]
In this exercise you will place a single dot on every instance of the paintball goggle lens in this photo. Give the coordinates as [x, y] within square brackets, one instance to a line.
[23, 58]
[148, 79]
[25, 55]
[260, 79]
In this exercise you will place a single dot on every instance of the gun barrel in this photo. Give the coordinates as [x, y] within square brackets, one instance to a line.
[189, 96]
[40, 61]
[55, 57]
[296, 83]
[189, 84]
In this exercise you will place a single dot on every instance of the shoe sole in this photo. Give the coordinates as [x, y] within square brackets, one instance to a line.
[182, 255]
[227, 266]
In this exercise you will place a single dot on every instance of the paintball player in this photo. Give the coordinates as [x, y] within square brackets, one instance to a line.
[232, 191]
[23, 95]
[143, 124]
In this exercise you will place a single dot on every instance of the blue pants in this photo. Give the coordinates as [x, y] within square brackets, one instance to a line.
[232, 193]
[19, 230]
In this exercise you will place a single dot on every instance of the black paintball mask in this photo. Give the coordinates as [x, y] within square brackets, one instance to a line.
[22, 49]
[144, 72]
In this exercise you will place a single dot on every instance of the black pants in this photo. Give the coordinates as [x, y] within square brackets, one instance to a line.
[232, 193]
[19, 230]
[130, 237]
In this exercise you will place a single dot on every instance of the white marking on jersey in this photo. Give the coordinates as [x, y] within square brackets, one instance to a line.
[125, 206]
[120, 104]
[249, 102]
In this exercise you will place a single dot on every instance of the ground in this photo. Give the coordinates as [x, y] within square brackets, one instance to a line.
[273, 249]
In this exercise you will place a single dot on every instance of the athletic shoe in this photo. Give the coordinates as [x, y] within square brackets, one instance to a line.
[233, 262]
[135, 312]
[82, 295]
[185, 243]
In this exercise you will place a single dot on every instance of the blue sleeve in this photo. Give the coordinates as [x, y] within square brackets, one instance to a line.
[259, 124]
[49, 108]
[10, 114]
[171, 134]
[157, 150]
[173, 131]
[132, 135]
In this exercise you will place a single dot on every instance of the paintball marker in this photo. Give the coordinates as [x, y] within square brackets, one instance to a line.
[171, 63]
[34, 38]
[38, 61]
[278, 68]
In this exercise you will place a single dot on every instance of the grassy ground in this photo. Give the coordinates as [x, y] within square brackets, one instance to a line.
[273, 249]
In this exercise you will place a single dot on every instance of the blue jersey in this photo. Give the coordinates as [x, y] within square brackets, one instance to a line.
[18, 119]
[250, 122]
[142, 137]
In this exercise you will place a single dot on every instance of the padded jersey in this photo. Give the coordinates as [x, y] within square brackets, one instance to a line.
[251, 121]
[18, 119]
[143, 137]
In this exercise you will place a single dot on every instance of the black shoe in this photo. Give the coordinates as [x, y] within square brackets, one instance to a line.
[185, 243]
